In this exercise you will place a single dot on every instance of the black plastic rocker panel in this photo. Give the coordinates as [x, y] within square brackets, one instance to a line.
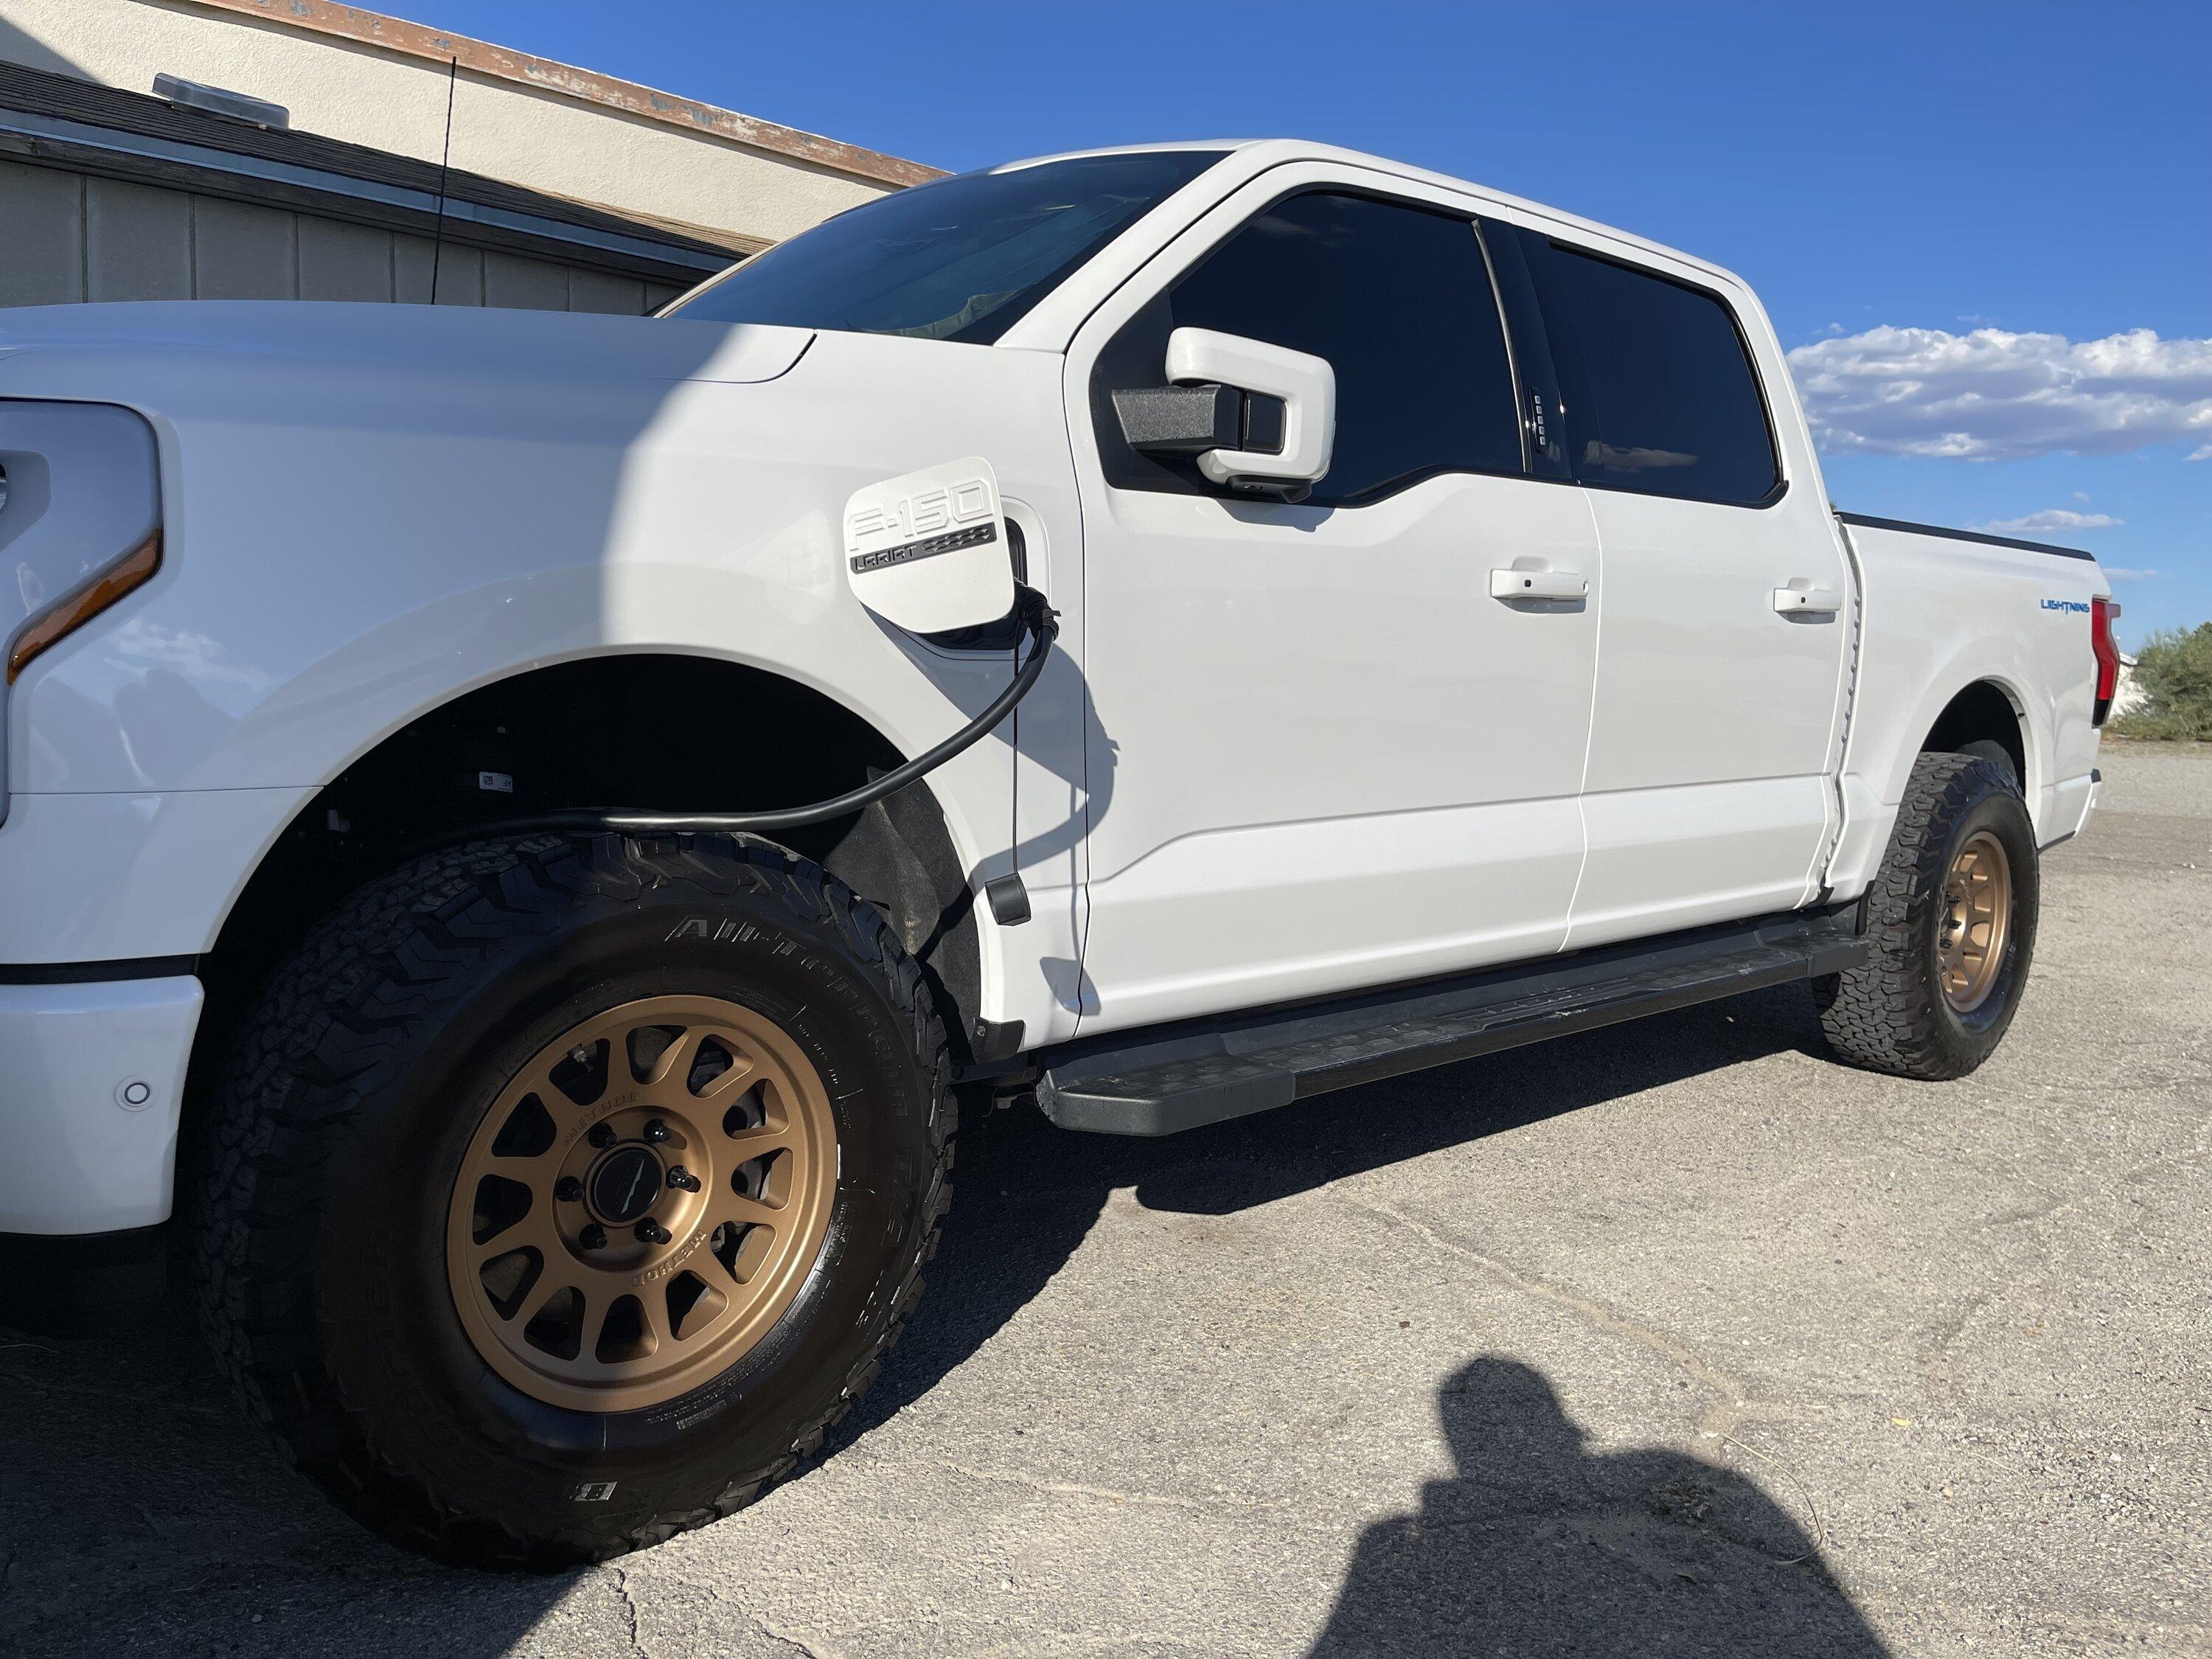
[1168, 1078]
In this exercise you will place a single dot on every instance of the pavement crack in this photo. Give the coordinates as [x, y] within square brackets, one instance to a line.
[1732, 1406]
[630, 1609]
[795, 1643]
[782, 1638]
[1213, 1504]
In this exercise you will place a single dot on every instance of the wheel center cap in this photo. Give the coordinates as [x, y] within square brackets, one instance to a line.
[624, 1184]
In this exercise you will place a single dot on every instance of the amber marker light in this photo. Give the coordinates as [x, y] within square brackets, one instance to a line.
[57, 623]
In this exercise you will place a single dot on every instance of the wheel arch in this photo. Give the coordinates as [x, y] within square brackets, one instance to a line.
[1986, 710]
[1975, 696]
[638, 729]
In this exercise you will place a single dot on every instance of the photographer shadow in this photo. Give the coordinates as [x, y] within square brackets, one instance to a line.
[1538, 1544]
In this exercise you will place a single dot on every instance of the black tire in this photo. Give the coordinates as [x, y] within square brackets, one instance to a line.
[1890, 1013]
[1990, 750]
[322, 1251]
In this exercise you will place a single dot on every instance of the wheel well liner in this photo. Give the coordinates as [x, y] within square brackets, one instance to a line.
[1984, 711]
[649, 730]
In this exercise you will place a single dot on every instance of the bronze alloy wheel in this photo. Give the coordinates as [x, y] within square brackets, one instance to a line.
[1947, 925]
[641, 1203]
[1975, 922]
[565, 1189]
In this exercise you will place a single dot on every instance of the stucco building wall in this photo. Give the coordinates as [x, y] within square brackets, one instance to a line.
[382, 82]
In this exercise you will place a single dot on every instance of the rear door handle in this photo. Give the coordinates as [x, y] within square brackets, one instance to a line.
[1808, 601]
[1538, 584]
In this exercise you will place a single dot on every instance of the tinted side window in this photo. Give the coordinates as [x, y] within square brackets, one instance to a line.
[1400, 302]
[1659, 395]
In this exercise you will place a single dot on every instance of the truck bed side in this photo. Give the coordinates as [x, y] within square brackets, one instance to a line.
[1945, 610]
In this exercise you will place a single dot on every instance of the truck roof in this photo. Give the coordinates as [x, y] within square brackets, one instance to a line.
[1260, 154]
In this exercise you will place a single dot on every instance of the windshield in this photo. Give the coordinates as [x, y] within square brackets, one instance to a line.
[957, 259]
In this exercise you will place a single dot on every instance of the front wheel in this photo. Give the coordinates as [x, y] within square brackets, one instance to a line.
[566, 1191]
[1950, 927]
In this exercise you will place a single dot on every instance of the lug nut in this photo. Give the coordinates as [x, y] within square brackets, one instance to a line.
[602, 1134]
[682, 1179]
[656, 1130]
[568, 1190]
[593, 1237]
[650, 1232]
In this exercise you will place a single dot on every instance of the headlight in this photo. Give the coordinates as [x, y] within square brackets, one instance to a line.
[80, 523]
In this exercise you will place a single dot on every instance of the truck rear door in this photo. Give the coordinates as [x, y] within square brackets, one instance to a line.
[1726, 616]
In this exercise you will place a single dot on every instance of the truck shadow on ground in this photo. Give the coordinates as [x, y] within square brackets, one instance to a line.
[140, 1513]
[1537, 1545]
[1025, 1195]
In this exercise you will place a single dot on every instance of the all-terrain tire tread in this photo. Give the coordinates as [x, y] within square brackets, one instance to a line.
[398, 952]
[1885, 1014]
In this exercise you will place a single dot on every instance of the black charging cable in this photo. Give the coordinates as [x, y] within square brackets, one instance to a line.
[1038, 619]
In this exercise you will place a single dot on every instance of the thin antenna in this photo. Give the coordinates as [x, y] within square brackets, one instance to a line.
[444, 165]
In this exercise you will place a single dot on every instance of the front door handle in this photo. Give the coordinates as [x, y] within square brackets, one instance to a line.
[1539, 585]
[1808, 601]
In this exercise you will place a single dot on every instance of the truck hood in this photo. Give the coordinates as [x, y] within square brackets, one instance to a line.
[106, 348]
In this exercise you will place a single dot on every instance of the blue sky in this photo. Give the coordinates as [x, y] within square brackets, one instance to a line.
[1892, 178]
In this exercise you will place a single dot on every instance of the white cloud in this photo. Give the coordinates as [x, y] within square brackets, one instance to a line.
[1991, 395]
[2052, 519]
[2120, 573]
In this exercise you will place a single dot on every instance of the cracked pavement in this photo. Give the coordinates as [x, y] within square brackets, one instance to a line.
[1671, 1338]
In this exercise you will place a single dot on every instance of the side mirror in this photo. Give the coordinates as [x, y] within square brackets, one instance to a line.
[1256, 416]
[927, 552]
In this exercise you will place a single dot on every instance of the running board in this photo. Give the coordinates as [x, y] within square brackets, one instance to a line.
[1168, 1078]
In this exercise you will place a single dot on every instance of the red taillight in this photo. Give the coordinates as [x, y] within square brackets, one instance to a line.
[2107, 650]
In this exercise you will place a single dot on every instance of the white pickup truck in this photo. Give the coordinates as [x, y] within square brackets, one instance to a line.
[522, 820]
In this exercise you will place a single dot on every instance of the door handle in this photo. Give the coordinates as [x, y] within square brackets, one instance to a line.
[1538, 584]
[1808, 601]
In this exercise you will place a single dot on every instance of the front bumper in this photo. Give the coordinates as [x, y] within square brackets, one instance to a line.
[92, 1076]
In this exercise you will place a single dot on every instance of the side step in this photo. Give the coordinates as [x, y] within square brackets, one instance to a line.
[1170, 1078]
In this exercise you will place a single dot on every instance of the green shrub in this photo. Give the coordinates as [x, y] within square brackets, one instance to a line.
[2174, 669]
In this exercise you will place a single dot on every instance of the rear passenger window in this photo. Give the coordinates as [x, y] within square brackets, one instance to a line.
[1400, 302]
[1660, 394]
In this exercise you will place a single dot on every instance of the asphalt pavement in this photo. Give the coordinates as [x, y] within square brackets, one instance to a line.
[1674, 1338]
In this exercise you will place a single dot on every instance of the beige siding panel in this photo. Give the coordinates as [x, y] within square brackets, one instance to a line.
[460, 276]
[42, 230]
[520, 284]
[138, 241]
[411, 268]
[343, 262]
[596, 290]
[460, 272]
[69, 238]
[242, 251]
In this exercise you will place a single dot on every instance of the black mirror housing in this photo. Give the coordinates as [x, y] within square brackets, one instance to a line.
[1190, 419]
[1180, 420]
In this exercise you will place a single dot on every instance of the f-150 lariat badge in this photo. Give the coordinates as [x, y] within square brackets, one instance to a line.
[928, 550]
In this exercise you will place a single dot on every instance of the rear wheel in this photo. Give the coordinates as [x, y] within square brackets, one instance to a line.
[1950, 926]
[567, 1191]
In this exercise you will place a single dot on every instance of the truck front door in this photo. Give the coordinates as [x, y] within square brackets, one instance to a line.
[1324, 755]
